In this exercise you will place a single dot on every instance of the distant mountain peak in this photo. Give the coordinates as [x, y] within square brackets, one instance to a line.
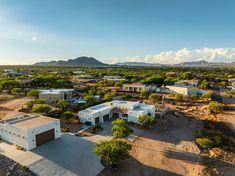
[79, 61]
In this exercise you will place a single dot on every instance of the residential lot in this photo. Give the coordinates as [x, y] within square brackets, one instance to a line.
[69, 155]
[167, 149]
[11, 108]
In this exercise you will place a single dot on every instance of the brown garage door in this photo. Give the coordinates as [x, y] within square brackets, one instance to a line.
[45, 137]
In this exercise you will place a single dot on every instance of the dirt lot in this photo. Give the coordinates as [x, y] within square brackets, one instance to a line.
[167, 149]
[11, 108]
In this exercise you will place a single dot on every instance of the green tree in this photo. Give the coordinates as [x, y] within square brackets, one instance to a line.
[178, 97]
[63, 105]
[204, 85]
[215, 107]
[230, 93]
[120, 128]
[112, 152]
[16, 91]
[103, 83]
[207, 95]
[89, 98]
[43, 108]
[109, 96]
[144, 94]
[68, 115]
[155, 79]
[33, 93]
[118, 84]
[155, 97]
[146, 120]
[223, 84]
[8, 84]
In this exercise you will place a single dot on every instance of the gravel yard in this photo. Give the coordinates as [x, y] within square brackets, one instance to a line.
[10, 167]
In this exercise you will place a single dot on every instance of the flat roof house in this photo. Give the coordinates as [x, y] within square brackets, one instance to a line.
[137, 87]
[232, 83]
[127, 110]
[54, 95]
[185, 90]
[25, 82]
[29, 131]
[187, 83]
[84, 79]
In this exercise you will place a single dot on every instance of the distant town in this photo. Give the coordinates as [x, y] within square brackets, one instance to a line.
[122, 120]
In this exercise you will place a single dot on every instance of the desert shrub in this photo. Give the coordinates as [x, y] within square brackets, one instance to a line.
[205, 142]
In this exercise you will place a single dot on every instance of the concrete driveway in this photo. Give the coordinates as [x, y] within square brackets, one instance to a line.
[69, 155]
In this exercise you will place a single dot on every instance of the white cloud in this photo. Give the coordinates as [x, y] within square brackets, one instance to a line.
[187, 55]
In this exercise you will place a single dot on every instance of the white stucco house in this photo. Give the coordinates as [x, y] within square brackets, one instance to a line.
[185, 90]
[232, 81]
[29, 131]
[138, 87]
[54, 95]
[128, 110]
[192, 82]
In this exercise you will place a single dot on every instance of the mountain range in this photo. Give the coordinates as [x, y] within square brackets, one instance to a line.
[92, 62]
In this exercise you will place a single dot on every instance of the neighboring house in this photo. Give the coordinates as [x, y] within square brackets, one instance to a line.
[29, 131]
[84, 79]
[138, 87]
[185, 90]
[54, 95]
[23, 83]
[193, 83]
[232, 81]
[127, 110]
[112, 77]
[12, 73]
[233, 85]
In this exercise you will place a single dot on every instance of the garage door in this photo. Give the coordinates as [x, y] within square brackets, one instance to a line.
[106, 117]
[97, 120]
[45, 137]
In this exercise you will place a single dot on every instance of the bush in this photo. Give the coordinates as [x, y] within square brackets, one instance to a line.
[207, 95]
[146, 120]
[194, 97]
[205, 142]
[33, 102]
[215, 107]
[155, 97]
[16, 91]
[33, 93]
[43, 108]
[179, 97]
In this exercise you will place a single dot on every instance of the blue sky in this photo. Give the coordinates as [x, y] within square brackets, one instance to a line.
[161, 31]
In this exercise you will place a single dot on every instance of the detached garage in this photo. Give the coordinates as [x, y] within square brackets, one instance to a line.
[44, 137]
[29, 131]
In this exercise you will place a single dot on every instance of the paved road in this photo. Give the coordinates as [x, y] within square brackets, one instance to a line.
[69, 156]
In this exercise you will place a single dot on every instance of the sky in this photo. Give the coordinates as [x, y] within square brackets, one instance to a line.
[154, 31]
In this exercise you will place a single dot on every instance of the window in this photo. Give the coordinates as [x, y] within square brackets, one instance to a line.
[124, 115]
